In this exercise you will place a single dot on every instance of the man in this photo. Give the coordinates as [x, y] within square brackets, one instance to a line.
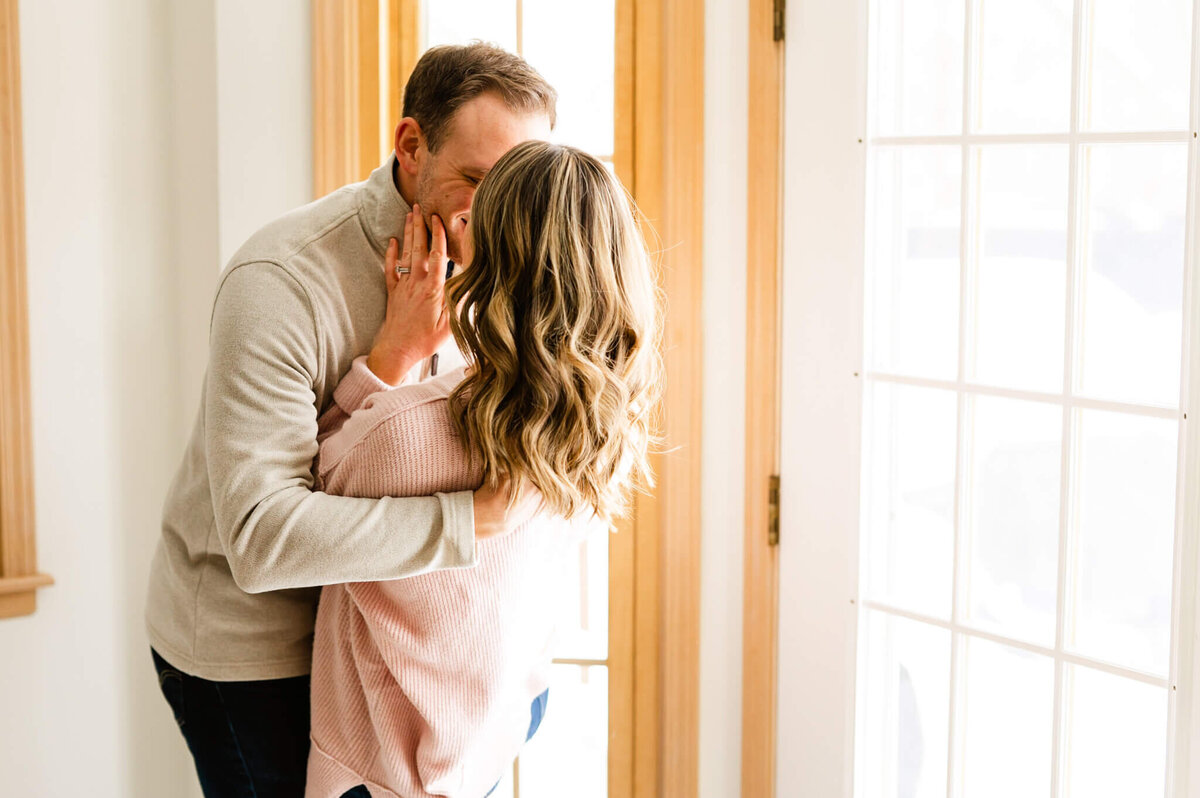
[246, 543]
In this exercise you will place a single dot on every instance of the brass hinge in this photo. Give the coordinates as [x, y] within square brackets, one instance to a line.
[780, 21]
[773, 511]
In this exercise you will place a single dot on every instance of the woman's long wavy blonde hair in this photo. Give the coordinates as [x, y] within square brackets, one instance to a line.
[560, 314]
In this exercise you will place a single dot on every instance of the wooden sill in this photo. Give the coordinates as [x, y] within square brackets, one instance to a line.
[18, 594]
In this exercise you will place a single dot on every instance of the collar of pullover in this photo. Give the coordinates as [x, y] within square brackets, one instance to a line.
[382, 208]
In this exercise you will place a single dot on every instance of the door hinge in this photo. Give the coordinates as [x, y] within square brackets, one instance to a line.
[780, 19]
[773, 511]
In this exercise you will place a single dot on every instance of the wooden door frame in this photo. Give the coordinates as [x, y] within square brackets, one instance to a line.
[19, 578]
[654, 612]
[349, 101]
[764, 212]
[661, 160]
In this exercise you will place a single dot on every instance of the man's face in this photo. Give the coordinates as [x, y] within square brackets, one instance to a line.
[481, 131]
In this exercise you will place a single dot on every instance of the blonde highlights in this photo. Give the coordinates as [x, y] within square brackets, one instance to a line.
[560, 315]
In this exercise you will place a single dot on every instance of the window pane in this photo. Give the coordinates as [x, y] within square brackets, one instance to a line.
[1133, 271]
[1116, 736]
[1014, 510]
[913, 265]
[1140, 64]
[909, 495]
[569, 754]
[918, 64]
[905, 693]
[583, 610]
[1020, 287]
[1126, 539]
[581, 68]
[1025, 65]
[1008, 720]
[462, 21]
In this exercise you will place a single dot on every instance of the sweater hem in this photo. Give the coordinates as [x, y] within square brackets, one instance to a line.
[229, 671]
[329, 777]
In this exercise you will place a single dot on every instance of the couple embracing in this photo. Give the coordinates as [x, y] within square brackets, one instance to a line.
[353, 593]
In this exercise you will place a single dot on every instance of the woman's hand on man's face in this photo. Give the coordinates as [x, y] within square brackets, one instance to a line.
[417, 320]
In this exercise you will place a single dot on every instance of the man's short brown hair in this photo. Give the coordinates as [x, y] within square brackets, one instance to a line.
[448, 76]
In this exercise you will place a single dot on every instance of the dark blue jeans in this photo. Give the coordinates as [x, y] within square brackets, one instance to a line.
[250, 739]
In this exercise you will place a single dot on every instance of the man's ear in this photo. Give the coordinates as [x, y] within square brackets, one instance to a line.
[409, 141]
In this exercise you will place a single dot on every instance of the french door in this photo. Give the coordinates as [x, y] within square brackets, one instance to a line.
[991, 349]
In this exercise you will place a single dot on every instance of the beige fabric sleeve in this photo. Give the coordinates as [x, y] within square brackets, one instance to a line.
[261, 437]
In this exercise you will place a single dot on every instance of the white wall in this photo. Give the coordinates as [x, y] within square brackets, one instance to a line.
[722, 475]
[123, 149]
[76, 683]
[264, 80]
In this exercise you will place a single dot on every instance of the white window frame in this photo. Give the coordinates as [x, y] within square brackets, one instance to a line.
[825, 149]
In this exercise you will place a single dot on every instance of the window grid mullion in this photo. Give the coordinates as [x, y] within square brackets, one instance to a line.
[957, 655]
[1075, 137]
[983, 633]
[1072, 401]
[1066, 483]
[1183, 578]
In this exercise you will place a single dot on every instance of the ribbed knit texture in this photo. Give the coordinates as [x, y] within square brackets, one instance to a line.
[422, 686]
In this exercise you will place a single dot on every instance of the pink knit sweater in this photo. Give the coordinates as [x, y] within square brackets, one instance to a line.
[422, 686]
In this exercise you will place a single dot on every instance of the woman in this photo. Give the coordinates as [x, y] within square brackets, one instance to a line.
[423, 686]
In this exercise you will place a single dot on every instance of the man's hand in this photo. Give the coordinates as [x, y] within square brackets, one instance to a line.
[417, 320]
[492, 517]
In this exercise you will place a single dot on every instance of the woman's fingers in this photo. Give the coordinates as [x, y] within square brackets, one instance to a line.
[424, 254]
[406, 255]
[437, 254]
[391, 260]
[420, 245]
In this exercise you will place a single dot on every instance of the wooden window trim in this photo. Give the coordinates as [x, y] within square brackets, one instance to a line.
[667, 182]
[19, 578]
[760, 621]
[654, 612]
[623, 551]
[356, 100]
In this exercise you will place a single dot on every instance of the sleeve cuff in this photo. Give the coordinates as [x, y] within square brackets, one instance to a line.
[458, 524]
[359, 383]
